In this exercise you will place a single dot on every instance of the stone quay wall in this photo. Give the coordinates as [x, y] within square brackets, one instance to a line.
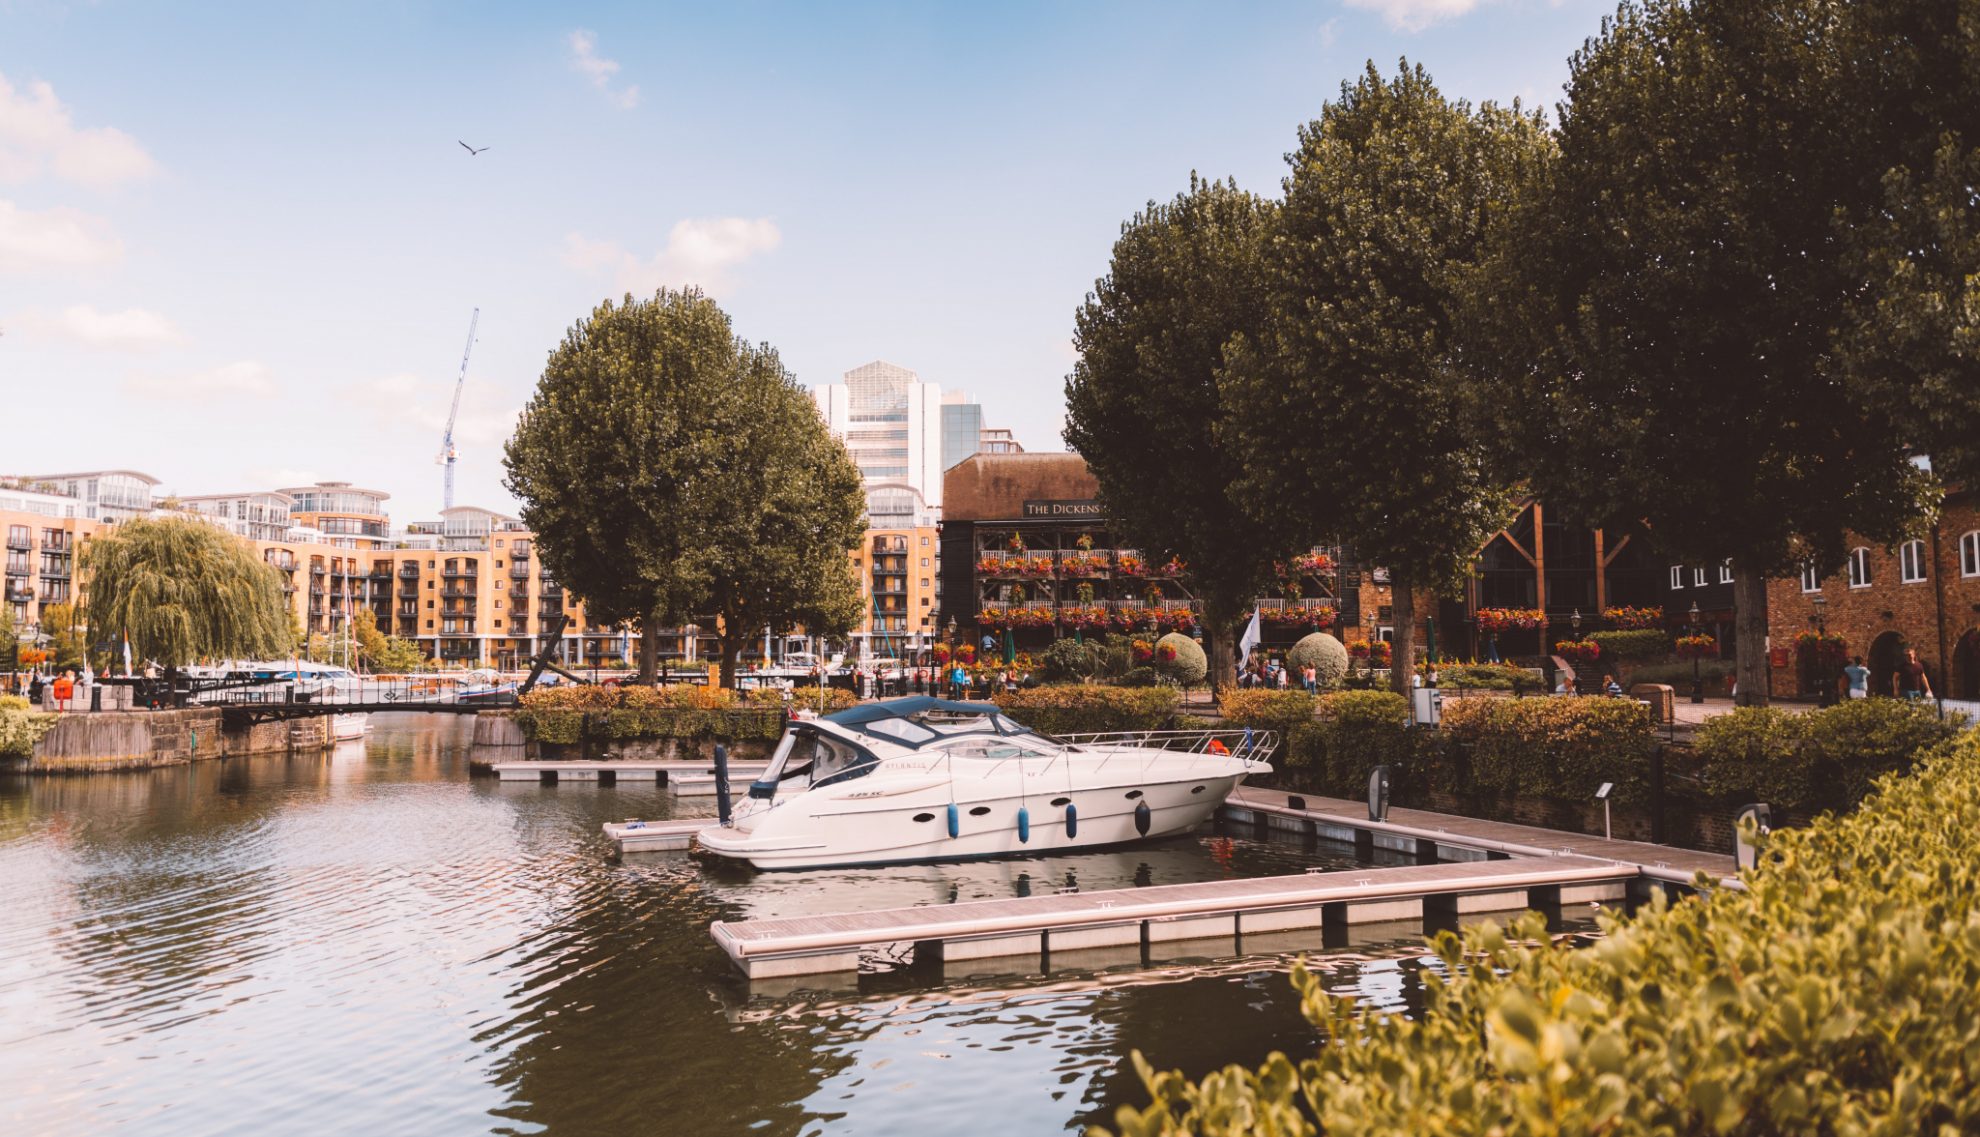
[143, 740]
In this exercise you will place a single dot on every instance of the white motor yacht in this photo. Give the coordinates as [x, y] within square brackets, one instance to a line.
[924, 779]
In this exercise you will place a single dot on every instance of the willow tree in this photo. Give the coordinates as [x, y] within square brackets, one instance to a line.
[1143, 406]
[1352, 403]
[180, 590]
[674, 473]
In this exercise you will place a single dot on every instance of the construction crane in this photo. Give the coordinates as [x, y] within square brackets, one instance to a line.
[447, 451]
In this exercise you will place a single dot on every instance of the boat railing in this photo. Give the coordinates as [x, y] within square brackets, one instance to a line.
[1251, 745]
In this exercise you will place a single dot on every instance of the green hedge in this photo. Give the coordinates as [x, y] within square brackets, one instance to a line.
[1283, 711]
[1084, 708]
[1635, 645]
[1838, 992]
[1487, 677]
[569, 714]
[1824, 759]
[1551, 747]
[1355, 732]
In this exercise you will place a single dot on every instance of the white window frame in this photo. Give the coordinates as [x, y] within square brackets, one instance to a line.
[1698, 578]
[1677, 578]
[1969, 554]
[1725, 572]
[1911, 562]
[1811, 578]
[1859, 568]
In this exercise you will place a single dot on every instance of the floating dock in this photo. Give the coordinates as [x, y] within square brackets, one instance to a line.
[611, 772]
[1464, 867]
[655, 836]
[1036, 927]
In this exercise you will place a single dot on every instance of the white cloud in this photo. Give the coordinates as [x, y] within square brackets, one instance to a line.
[1330, 32]
[54, 238]
[133, 329]
[699, 251]
[1415, 15]
[248, 377]
[37, 135]
[585, 57]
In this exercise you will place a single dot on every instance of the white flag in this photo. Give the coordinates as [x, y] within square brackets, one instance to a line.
[1250, 638]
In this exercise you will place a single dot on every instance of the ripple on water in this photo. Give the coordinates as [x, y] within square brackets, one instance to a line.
[369, 941]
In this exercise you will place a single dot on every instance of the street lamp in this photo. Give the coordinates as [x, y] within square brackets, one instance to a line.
[1827, 695]
[1697, 677]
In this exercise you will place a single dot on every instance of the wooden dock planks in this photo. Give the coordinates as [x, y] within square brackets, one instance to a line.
[1041, 924]
[616, 770]
[1661, 862]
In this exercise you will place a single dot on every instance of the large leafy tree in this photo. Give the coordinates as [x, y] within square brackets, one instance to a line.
[181, 590]
[675, 473]
[1728, 305]
[1142, 403]
[1351, 404]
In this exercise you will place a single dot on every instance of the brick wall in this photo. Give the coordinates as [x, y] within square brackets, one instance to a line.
[1931, 615]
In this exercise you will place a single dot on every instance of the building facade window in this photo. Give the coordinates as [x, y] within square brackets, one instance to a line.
[1911, 562]
[1859, 568]
[1811, 580]
[1969, 554]
[1677, 577]
[1698, 578]
[1725, 572]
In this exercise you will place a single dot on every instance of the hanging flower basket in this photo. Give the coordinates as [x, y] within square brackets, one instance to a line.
[1492, 621]
[1822, 648]
[1632, 618]
[1578, 651]
[1016, 543]
[1130, 564]
[1313, 564]
[939, 653]
[1697, 647]
[1175, 566]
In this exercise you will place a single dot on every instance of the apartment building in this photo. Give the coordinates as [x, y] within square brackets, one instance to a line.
[99, 495]
[898, 574]
[43, 532]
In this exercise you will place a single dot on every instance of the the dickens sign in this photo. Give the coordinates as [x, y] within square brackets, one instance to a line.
[1051, 509]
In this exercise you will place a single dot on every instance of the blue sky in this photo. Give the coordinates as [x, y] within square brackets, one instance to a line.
[239, 247]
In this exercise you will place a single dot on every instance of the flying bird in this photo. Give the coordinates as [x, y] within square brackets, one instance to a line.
[471, 150]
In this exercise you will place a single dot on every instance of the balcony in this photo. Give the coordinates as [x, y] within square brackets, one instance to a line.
[409, 571]
[409, 612]
[22, 543]
[458, 591]
[381, 572]
[521, 552]
[457, 627]
[316, 609]
[409, 592]
[890, 545]
[890, 590]
[283, 564]
[55, 571]
[520, 593]
[520, 626]
[519, 571]
[460, 573]
[317, 590]
[20, 593]
[548, 611]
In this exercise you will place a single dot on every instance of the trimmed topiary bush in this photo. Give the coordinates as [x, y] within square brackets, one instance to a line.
[1181, 658]
[1838, 991]
[1633, 646]
[1080, 708]
[1069, 661]
[1326, 655]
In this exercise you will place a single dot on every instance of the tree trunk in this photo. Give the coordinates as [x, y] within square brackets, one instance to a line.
[1220, 637]
[649, 648]
[1402, 662]
[1750, 624]
[731, 652]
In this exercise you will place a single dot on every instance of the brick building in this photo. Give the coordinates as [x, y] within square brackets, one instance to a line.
[1924, 593]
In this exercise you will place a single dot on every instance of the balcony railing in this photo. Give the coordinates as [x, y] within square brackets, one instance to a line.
[409, 612]
[457, 590]
[19, 543]
[519, 571]
[458, 573]
[410, 572]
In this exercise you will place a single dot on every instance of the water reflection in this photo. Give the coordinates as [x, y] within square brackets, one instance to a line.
[367, 940]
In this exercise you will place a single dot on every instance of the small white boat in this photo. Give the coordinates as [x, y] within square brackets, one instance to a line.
[925, 779]
[349, 725]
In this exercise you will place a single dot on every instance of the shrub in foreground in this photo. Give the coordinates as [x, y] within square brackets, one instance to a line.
[1824, 759]
[1266, 710]
[1838, 992]
[21, 726]
[1083, 708]
[565, 714]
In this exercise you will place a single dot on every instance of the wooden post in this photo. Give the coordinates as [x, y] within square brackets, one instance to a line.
[1601, 576]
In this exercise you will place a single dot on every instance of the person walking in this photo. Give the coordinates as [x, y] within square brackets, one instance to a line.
[1911, 682]
[1610, 687]
[84, 681]
[1309, 677]
[65, 689]
[1859, 679]
[36, 688]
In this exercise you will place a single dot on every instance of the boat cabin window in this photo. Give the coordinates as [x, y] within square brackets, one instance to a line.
[905, 730]
[805, 757]
[993, 748]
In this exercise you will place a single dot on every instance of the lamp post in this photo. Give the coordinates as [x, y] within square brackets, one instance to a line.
[1574, 622]
[1697, 676]
[1827, 687]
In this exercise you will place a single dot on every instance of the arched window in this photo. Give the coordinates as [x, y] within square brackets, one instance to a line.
[1859, 568]
[1911, 562]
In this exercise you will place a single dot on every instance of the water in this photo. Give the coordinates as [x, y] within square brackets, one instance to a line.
[367, 941]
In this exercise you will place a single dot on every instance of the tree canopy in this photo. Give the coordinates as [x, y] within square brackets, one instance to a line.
[181, 590]
[1350, 402]
[674, 473]
[1693, 299]
[1143, 406]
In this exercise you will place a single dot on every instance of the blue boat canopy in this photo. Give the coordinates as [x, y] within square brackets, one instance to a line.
[904, 708]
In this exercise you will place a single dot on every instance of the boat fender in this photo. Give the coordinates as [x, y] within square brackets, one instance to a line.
[1072, 821]
[1024, 825]
[955, 820]
[1142, 817]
